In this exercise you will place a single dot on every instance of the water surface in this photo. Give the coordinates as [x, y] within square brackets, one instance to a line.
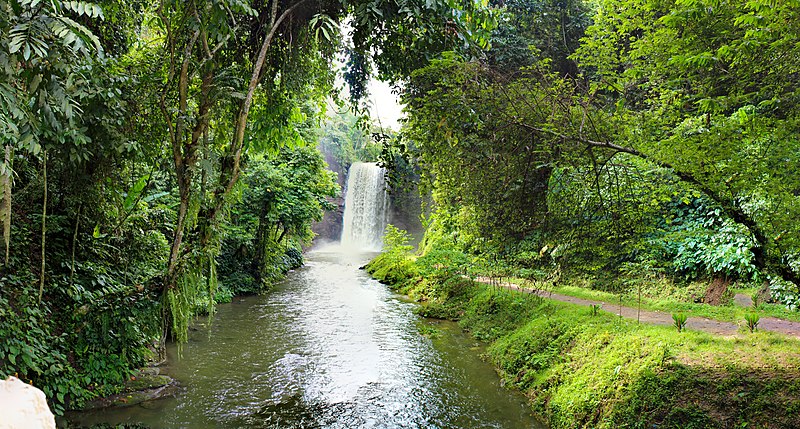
[329, 348]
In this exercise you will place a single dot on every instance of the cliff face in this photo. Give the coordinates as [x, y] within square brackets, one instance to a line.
[404, 213]
[330, 227]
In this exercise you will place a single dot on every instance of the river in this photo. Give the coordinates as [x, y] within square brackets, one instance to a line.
[328, 348]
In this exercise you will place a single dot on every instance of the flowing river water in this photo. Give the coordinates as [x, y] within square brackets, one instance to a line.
[328, 348]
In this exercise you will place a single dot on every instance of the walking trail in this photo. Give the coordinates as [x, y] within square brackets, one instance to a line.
[786, 327]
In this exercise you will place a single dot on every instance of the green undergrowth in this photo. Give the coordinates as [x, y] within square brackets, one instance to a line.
[597, 371]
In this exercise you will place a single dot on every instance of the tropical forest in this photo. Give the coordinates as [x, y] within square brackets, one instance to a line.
[400, 214]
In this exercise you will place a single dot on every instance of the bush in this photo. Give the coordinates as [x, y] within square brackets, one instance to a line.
[700, 241]
[394, 265]
[784, 292]
[241, 283]
[442, 263]
[87, 350]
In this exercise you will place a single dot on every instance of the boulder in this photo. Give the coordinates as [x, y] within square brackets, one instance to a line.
[23, 406]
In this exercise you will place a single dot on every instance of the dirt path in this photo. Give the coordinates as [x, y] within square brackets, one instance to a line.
[772, 324]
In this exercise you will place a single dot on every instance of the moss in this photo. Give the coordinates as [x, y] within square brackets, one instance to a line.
[147, 381]
[597, 371]
[145, 387]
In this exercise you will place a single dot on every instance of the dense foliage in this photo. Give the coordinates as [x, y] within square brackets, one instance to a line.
[157, 158]
[653, 134]
[156, 155]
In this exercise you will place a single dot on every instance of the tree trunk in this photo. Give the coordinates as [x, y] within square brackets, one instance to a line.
[180, 227]
[44, 224]
[261, 237]
[184, 152]
[5, 207]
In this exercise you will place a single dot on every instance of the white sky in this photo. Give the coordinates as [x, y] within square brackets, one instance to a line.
[385, 108]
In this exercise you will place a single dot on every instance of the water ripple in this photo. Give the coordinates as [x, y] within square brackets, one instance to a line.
[329, 348]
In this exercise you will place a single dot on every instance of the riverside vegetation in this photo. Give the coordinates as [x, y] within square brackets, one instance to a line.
[159, 157]
[584, 368]
[641, 152]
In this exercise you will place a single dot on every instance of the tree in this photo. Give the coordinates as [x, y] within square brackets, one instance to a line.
[707, 90]
[282, 196]
[223, 57]
[688, 87]
[477, 157]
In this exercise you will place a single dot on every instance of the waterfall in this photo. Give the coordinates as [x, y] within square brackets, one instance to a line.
[365, 207]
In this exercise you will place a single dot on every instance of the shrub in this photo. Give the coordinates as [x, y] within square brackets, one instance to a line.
[679, 321]
[784, 292]
[393, 266]
[752, 321]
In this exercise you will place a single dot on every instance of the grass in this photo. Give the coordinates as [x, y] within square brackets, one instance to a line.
[585, 370]
[603, 372]
[726, 313]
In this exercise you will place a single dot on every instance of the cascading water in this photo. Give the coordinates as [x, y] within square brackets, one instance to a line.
[365, 207]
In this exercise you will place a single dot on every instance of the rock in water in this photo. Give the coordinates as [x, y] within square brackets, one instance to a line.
[23, 406]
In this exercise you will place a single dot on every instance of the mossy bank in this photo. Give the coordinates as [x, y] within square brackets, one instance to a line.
[590, 369]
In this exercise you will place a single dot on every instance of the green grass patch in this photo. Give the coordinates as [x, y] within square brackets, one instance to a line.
[727, 312]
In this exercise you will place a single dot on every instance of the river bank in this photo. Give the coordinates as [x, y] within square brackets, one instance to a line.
[591, 369]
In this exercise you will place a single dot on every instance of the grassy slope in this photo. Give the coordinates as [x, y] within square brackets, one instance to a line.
[597, 371]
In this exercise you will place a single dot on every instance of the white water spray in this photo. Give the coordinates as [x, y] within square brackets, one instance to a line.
[365, 207]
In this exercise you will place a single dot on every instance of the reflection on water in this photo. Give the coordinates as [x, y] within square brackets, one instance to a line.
[329, 348]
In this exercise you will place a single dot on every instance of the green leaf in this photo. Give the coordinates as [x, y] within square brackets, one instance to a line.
[135, 192]
[153, 197]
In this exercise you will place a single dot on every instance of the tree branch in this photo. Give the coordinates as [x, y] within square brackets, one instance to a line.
[237, 144]
[731, 208]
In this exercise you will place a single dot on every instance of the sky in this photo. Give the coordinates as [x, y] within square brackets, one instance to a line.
[384, 106]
